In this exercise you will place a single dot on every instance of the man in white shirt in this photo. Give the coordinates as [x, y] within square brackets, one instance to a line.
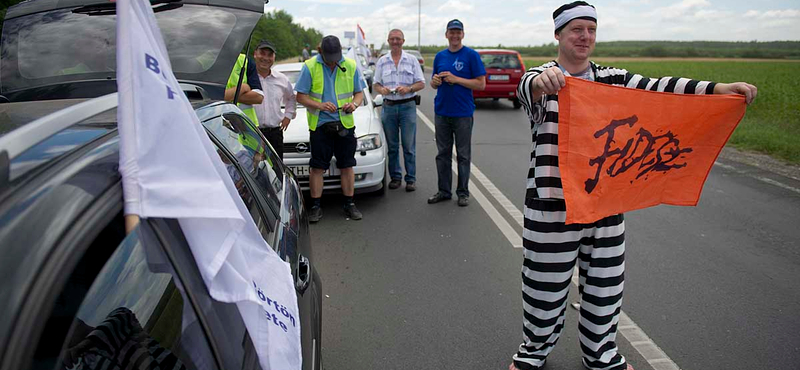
[277, 91]
[398, 77]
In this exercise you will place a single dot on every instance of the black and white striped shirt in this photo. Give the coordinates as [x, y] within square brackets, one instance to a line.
[544, 178]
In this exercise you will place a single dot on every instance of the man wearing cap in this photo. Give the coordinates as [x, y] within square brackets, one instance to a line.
[552, 247]
[457, 71]
[398, 77]
[277, 91]
[330, 87]
[250, 92]
[305, 54]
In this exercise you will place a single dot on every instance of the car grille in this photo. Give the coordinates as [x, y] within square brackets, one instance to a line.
[297, 147]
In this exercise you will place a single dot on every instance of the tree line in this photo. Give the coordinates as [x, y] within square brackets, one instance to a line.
[289, 38]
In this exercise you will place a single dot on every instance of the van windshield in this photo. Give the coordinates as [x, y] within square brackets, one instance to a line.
[60, 45]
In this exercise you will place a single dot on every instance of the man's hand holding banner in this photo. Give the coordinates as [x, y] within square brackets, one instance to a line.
[636, 149]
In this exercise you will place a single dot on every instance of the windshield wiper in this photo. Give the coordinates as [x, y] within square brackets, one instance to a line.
[111, 7]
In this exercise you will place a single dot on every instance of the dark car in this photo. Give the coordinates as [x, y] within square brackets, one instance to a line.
[76, 288]
[504, 69]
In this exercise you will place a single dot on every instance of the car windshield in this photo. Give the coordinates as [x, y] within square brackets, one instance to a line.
[503, 61]
[292, 76]
[65, 45]
[414, 53]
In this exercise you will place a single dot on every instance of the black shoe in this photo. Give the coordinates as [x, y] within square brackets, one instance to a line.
[395, 183]
[315, 214]
[352, 212]
[463, 201]
[410, 186]
[438, 197]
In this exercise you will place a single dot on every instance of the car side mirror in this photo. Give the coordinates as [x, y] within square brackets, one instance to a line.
[377, 100]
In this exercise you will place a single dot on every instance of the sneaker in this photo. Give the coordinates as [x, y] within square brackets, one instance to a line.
[352, 212]
[463, 201]
[438, 197]
[315, 214]
[410, 186]
[394, 184]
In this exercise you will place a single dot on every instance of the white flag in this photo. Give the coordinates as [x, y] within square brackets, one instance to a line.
[361, 38]
[171, 169]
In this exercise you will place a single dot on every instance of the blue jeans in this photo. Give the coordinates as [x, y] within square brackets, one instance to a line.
[400, 124]
[448, 128]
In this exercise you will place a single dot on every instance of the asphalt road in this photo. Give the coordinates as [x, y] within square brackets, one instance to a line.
[418, 286]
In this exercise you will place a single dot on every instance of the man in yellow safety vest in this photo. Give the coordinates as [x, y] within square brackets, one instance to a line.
[250, 93]
[330, 87]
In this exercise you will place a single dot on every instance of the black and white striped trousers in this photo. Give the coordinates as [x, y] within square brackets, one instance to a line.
[551, 249]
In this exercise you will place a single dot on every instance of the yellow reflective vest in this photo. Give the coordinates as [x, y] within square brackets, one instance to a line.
[343, 87]
[233, 79]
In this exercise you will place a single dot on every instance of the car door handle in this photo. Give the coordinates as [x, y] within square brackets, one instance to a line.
[303, 274]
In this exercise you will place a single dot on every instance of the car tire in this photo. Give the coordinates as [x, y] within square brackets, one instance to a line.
[382, 191]
[517, 103]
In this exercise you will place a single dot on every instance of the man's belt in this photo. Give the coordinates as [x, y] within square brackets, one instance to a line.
[267, 128]
[395, 102]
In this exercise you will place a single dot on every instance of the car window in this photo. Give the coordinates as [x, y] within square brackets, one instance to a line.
[257, 162]
[504, 61]
[265, 167]
[39, 48]
[123, 307]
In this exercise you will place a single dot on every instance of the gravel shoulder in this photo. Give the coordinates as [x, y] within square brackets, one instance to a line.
[761, 161]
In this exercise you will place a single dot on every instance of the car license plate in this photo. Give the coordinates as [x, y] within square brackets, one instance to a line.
[300, 171]
[498, 77]
[305, 171]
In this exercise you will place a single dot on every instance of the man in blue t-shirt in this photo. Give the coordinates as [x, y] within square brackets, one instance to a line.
[457, 71]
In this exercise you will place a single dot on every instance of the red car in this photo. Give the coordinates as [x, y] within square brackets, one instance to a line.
[504, 69]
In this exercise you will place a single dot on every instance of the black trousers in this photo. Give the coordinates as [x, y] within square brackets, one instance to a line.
[275, 137]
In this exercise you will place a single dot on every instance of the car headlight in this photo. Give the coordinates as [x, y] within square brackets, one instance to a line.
[368, 142]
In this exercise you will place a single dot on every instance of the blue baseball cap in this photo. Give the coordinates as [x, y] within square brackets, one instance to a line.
[455, 24]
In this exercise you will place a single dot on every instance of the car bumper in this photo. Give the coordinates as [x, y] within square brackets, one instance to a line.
[370, 169]
[508, 90]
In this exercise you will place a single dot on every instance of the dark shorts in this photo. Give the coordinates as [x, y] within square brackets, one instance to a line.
[332, 139]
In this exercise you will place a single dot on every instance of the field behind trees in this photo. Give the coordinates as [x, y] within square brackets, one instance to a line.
[661, 49]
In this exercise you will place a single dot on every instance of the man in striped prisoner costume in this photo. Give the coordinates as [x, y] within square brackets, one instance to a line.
[551, 246]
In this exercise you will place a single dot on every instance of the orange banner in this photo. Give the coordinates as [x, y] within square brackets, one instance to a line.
[622, 149]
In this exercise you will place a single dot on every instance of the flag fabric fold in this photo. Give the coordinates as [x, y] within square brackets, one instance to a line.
[170, 169]
[623, 149]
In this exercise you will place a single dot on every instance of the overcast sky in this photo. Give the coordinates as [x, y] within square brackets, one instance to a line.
[525, 22]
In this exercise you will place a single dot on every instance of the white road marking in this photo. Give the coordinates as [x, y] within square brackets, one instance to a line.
[513, 237]
[648, 349]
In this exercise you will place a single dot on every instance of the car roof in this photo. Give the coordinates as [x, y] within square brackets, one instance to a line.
[496, 51]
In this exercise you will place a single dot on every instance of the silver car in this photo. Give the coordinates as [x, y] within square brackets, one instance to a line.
[370, 170]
